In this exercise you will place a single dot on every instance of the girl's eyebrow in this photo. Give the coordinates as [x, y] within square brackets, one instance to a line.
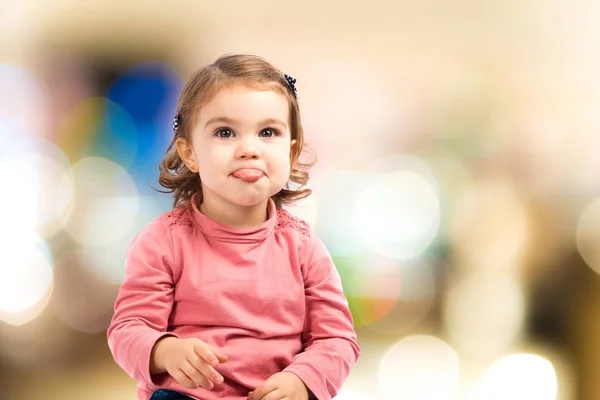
[221, 120]
[227, 120]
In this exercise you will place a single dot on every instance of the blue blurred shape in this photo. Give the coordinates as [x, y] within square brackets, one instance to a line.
[149, 93]
[117, 137]
[146, 91]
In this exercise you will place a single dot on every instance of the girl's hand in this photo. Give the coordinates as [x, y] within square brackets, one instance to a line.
[282, 385]
[191, 361]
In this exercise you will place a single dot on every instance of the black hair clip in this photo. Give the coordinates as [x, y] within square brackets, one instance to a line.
[176, 123]
[292, 84]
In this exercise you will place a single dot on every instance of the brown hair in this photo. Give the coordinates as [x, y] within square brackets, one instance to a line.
[226, 71]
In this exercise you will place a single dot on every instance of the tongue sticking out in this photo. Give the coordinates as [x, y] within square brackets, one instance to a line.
[248, 174]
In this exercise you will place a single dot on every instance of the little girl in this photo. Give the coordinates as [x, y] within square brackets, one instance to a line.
[228, 296]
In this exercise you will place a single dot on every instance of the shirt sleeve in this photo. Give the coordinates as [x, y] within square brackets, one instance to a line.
[330, 342]
[144, 302]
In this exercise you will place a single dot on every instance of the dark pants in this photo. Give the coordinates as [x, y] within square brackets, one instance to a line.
[162, 394]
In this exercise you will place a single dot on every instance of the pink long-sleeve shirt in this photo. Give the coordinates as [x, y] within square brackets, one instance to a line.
[270, 298]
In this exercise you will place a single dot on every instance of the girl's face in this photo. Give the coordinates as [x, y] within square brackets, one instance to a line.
[240, 146]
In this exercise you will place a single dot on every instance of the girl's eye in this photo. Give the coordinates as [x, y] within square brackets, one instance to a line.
[224, 133]
[268, 133]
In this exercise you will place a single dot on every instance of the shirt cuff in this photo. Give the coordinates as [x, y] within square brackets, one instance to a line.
[143, 361]
[310, 383]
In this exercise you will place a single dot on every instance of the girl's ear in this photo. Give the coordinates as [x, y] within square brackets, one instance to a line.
[186, 153]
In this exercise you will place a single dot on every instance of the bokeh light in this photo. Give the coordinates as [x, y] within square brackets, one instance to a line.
[419, 367]
[117, 138]
[410, 289]
[398, 214]
[26, 276]
[588, 235]
[339, 230]
[485, 312]
[11, 132]
[374, 290]
[23, 96]
[99, 127]
[519, 377]
[78, 129]
[34, 170]
[105, 202]
[107, 262]
[489, 226]
[453, 177]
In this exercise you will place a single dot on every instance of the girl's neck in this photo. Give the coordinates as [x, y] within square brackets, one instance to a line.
[233, 215]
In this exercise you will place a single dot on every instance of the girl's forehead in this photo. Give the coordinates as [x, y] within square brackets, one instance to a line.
[246, 99]
[241, 89]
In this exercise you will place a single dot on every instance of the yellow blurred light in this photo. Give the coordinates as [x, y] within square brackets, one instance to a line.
[26, 276]
[519, 377]
[398, 215]
[588, 235]
[79, 127]
[105, 202]
[489, 227]
[419, 367]
[453, 176]
[542, 136]
[34, 171]
[100, 127]
[485, 313]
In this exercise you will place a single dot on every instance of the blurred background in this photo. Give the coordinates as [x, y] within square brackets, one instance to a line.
[457, 182]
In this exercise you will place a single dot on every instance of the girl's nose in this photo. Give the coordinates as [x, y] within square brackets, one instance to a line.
[248, 149]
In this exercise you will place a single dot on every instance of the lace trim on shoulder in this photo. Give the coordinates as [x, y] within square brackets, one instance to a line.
[287, 220]
[177, 217]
